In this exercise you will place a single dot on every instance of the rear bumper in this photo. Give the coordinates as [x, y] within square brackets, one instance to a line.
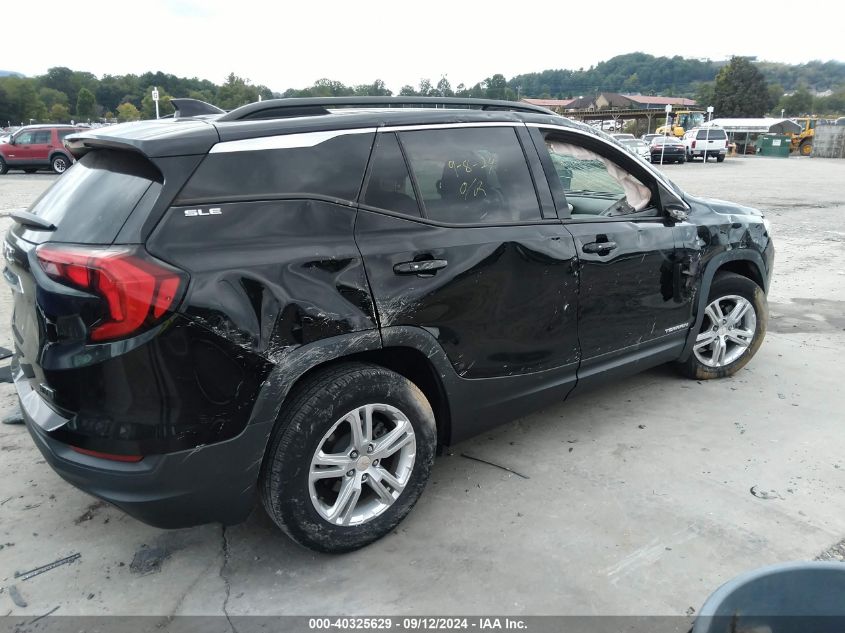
[215, 483]
[710, 152]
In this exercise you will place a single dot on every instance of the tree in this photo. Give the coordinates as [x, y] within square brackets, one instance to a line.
[375, 89]
[407, 91]
[632, 83]
[59, 113]
[23, 102]
[798, 103]
[237, 92]
[496, 87]
[86, 104]
[50, 97]
[127, 112]
[741, 90]
[444, 88]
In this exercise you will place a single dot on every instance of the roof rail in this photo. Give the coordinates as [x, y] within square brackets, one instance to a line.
[310, 106]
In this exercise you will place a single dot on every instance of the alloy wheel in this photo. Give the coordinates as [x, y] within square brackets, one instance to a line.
[362, 464]
[727, 331]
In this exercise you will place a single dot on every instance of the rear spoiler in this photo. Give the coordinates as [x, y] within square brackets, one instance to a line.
[153, 139]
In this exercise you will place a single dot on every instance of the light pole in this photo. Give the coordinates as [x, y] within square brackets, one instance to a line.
[155, 98]
[707, 139]
[668, 109]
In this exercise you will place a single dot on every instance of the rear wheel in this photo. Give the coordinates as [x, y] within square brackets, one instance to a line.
[720, 159]
[349, 457]
[806, 148]
[4, 168]
[60, 163]
[732, 329]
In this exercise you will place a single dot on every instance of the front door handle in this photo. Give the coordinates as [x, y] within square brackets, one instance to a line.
[422, 267]
[600, 248]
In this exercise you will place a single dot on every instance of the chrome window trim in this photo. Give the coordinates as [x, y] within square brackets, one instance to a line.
[285, 141]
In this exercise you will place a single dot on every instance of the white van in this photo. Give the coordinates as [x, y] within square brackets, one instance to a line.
[712, 141]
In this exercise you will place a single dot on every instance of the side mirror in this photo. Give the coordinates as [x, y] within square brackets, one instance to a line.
[676, 212]
[11, 140]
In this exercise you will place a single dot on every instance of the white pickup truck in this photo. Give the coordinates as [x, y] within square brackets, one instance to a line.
[706, 142]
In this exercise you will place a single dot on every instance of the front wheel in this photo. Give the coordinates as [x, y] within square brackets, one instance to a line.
[60, 163]
[732, 329]
[350, 456]
[4, 168]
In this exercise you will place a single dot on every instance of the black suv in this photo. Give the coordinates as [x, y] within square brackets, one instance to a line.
[301, 299]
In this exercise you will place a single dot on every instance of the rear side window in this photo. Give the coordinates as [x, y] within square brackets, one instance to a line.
[472, 175]
[306, 165]
[92, 200]
[718, 135]
[389, 184]
[65, 133]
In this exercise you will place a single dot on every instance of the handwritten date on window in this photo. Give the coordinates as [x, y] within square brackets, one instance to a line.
[472, 188]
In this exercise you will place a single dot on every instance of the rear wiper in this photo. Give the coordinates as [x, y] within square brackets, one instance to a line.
[32, 221]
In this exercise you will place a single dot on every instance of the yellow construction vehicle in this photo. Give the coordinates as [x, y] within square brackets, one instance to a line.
[681, 121]
[803, 141]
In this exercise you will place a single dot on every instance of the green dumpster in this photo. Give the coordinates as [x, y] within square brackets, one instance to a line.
[773, 145]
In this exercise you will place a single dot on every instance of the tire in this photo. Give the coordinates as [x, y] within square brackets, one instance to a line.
[681, 160]
[730, 290]
[30, 170]
[720, 159]
[4, 168]
[806, 148]
[303, 496]
[60, 163]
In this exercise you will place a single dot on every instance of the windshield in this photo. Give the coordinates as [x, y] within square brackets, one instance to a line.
[689, 120]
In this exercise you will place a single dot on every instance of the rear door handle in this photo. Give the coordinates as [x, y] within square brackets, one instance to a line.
[600, 248]
[423, 267]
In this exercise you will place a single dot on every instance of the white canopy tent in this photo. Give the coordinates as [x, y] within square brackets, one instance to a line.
[765, 125]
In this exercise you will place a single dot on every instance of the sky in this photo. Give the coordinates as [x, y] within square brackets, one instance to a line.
[291, 44]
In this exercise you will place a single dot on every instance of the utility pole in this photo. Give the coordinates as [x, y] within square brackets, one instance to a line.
[155, 98]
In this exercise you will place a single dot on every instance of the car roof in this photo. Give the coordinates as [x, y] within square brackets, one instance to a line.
[180, 136]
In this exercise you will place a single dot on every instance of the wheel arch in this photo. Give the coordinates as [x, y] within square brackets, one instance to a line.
[409, 351]
[747, 263]
[58, 152]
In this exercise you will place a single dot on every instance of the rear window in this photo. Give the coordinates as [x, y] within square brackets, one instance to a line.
[92, 200]
[711, 134]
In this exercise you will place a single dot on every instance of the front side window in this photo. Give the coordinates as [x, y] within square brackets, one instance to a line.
[25, 138]
[594, 184]
[472, 175]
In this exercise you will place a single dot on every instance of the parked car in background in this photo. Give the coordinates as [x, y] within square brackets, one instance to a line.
[35, 147]
[623, 137]
[706, 142]
[256, 305]
[636, 147]
[667, 149]
[647, 138]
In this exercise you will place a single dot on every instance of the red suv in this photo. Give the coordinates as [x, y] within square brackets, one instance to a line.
[37, 147]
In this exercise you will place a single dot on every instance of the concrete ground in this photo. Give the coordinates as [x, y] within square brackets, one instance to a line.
[639, 497]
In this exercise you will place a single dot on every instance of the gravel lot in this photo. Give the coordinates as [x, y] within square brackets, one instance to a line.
[638, 500]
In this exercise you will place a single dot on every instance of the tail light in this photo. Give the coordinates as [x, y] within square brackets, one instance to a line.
[693, 145]
[137, 290]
